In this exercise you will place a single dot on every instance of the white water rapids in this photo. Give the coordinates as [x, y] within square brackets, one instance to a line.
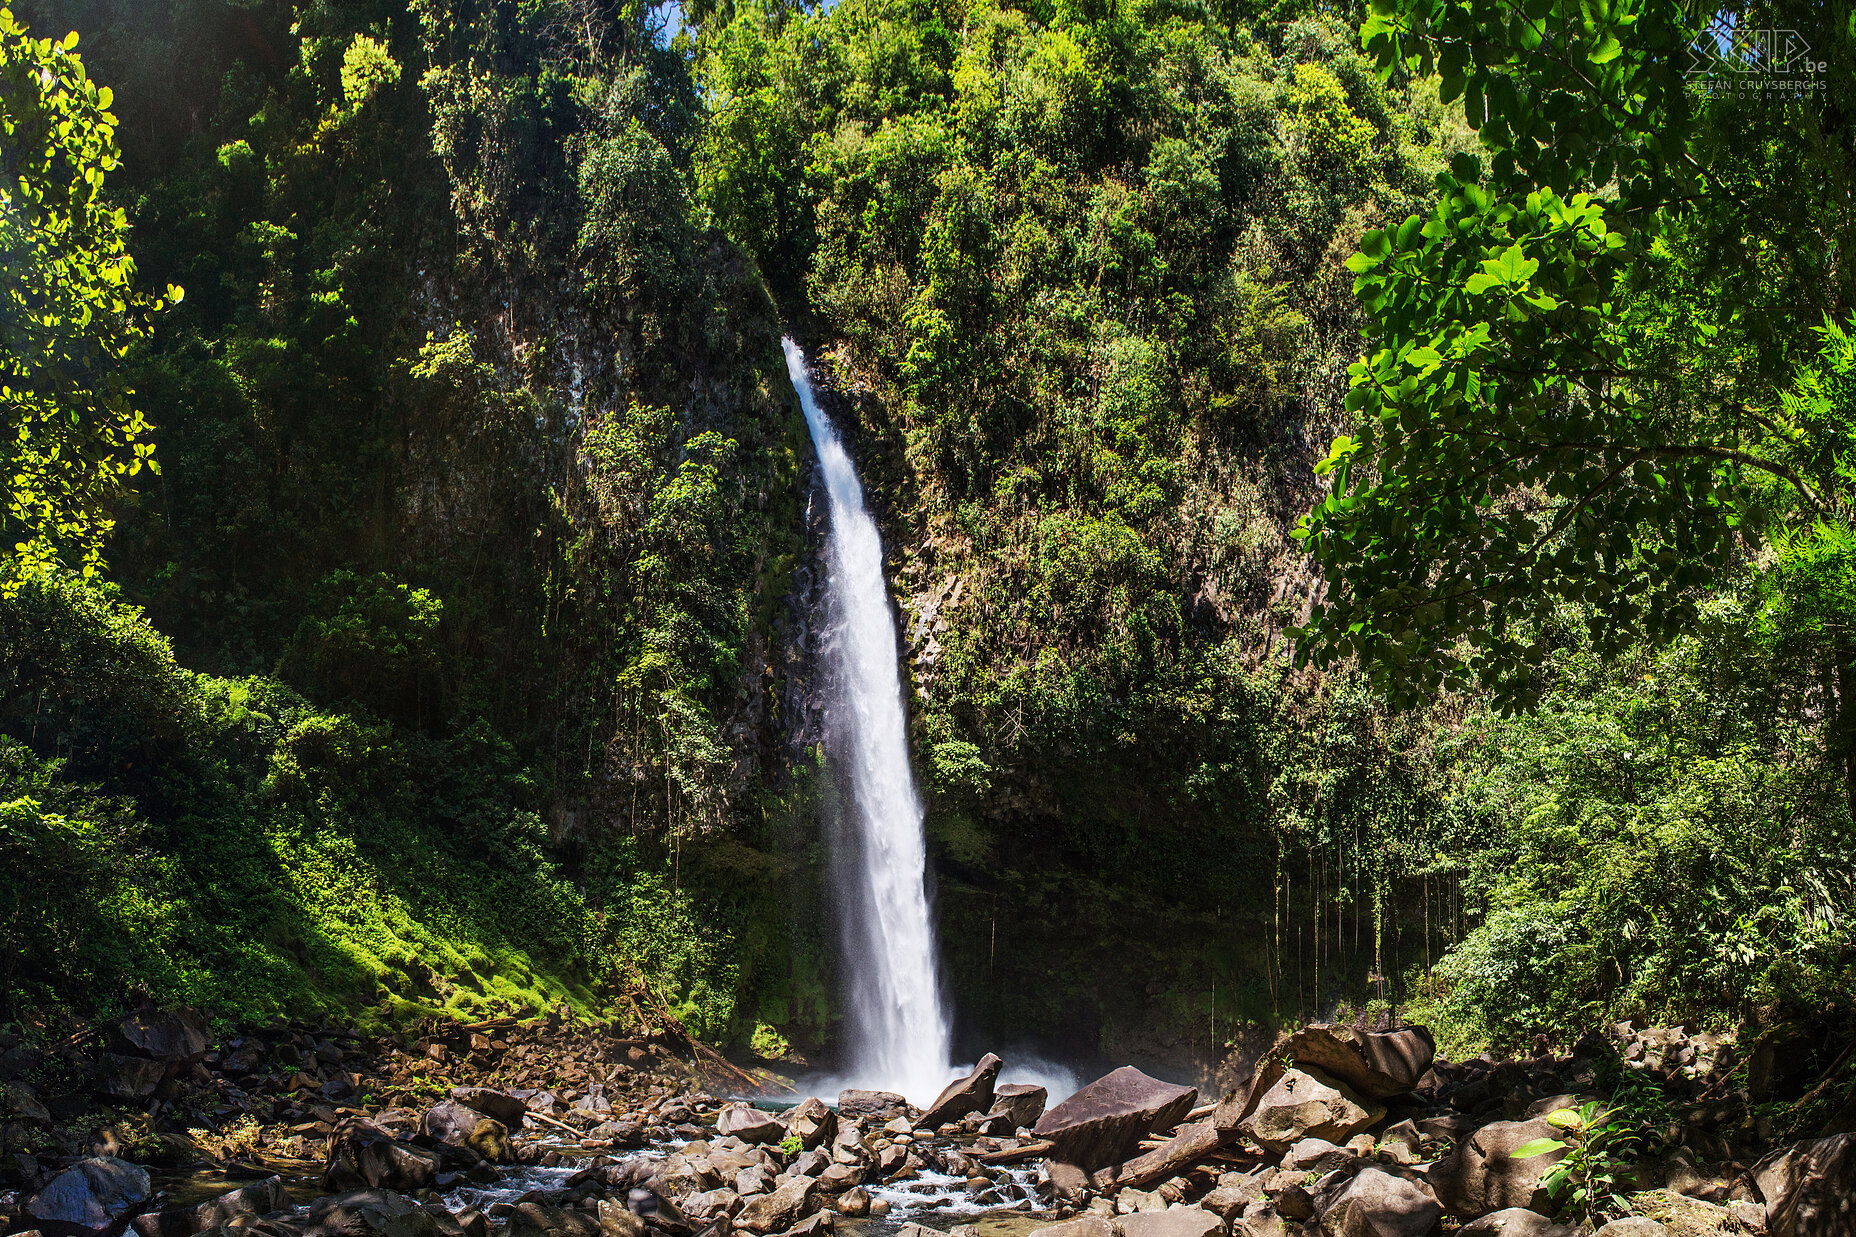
[898, 1033]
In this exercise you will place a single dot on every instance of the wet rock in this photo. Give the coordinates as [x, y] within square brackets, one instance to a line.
[1810, 1188]
[1308, 1104]
[1018, 1103]
[1104, 1122]
[252, 1200]
[811, 1122]
[1376, 1204]
[363, 1155]
[770, 1213]
[91, 1194]
[1174, 1222]
[503, 1106]
[1481, 1175]
[750, 1125]
[1515, 1222]
[871, 1105]
[964, 1095]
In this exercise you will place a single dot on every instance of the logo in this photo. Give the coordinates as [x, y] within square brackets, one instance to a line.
[1735, 57]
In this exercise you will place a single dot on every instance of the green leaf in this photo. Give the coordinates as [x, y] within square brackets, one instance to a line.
[1538, 1146]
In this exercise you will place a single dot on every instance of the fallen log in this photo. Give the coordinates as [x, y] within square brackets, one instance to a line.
[1193, 1143]
[1013, 1155]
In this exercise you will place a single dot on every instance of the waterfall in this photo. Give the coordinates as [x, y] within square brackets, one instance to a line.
[898, 1033]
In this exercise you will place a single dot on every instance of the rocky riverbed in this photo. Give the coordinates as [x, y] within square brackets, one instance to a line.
[550, 1129]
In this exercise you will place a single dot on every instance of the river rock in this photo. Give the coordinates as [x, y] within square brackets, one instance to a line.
[1173, 1222]
[839, 1177]
[362, 1155]
[618, 1220]
[1515, 1222]
[1376, 1204]
[770, 1213]
[453, 1122]
[253, 1200]
[1081, 1226]
[176, 1036]
[1020, 1103]
[811, 1122]
[855, 1202]
[92, 1193]
[504, 1107]
[1632, 1226]
[1481, 1175]
[367, 1213]
[1376, 1064]
[711, 1205]
[964, 1095]
[1308, 1104]
[541, 1220]
[1810, 1188]
[750, 1125]
[1103, 1123]
[876, 1106]
[817, 1224]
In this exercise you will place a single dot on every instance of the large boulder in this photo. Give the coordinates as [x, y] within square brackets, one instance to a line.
[371, 1213]
[1515, 1222]
[1308, 1104]
[1376, 1064]
[811, 1122]
[1481, 1174]
[1103, 1123]
[92, 1193]
[1376, 1204]
[878, 1106]
[964, 1095]
[120, 1077]
[1810, 1188]
[1087, 1225]
[255, 1199]
[362, 1155]
[1173, 1222]
[1019, 1103]
[456, 1123]
[533, 1219]
[748, 1124]
[504, 1107]
[786, 1206]
[177, 1036]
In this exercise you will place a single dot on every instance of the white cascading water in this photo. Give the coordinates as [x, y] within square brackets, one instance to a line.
[898, 1031]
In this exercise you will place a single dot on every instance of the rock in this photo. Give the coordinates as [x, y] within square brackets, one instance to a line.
[1174, 1222]
[618, 1220]
[811, 1122]
[1480, 1175]
[1226, 1201]
[770, 1213]
[964, 1095]
[711, 1205]
[1068, 1182]
[837, 1178]
[1316, 1155]
[363, 1155]
[855, 1201]
[919, 1230]
[542, 1220]
[503, 1106]
[1019, 1103]
[176, 1036]
[1402, 1143]
[1376, 1204]
[449, 1121]
[809, 1164]
[92, 1193]
[1308, 1104]
[252, 1200]
[1553, 1103]
[1687, 1217]
[871, 1105]
[367, 1213]
[128, 1078]
[1376, 1064]
[1190, 1145]
[1261, 1219]
[1294, 1202]
[1516, 1222]
[750, 1125]
[1081, 1226]
[1104, 1122]
[816, 1225]
[1632, 1226]
[1751, 1217]
[1809, 1188]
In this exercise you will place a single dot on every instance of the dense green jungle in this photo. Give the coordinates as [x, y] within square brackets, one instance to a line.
[1368, 494]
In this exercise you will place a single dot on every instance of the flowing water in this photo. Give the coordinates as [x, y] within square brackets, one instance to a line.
[898, 1033]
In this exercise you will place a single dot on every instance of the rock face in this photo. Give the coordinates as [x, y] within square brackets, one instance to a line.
[964, 1095]
[750, 1125]
[92, 1193]
[878, 1106]
[1103, 1123]
[1020, 1103]
[1481, 1174]
[1308, 1104]
[363, 1155]
[252, 1200]
[1377, 1204]
[1377, 1065]
[1810, 1188]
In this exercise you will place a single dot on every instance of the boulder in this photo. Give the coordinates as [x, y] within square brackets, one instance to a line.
[1081, 1226]
[711, 1205]
[541, 1220]
[503, 1106]
[618, 1220]
[1515, 1222]
[871, 1105]
[1632, 1226]
[1190, 1145]
[1173, 1222]
[127, 1078]
[1228, 1201]
[771, 1213]
[840, 1177]
[818, 1224]
[1810, 1188]
[1376, 1204]
[1103, 1123]
[750, 1125]
[1690, 1217]
[855, 1202]
[176, 1036]
[255, 1199]
[1019, 1103]
[1261, 1219]
[362, 1155]
[92, 1193]
[449, 1121]
[371, 1213]
[1376, 1064]
[1308, 1104]
[811, 1122]
[964, 1095]
[1481, 1174]
[1069, 1183]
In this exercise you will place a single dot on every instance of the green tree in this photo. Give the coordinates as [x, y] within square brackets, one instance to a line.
[69, 311]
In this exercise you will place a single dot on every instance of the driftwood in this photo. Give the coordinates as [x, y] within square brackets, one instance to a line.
[1013, 1155]
[1192, 1143]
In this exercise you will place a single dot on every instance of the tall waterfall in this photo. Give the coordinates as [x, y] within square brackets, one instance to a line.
[898, 1032]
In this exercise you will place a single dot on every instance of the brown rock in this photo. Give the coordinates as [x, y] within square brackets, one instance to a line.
[964, 1095]
[252, 1200]
[811, 1122]
[1068, 1182]
[171, 1035]
[1081, 1226]
[1019, 1103]
[1515, 1222]
[507, 1108]
[770, 1213]
[1308, 1104]
[1376, 1204]
[1190, 1145]
[1173, 1222]
[750, 1125]
[1104, 1122]
[1481, 1175]
[1810, 1188]
[1378, 1065]
[362, 1155]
